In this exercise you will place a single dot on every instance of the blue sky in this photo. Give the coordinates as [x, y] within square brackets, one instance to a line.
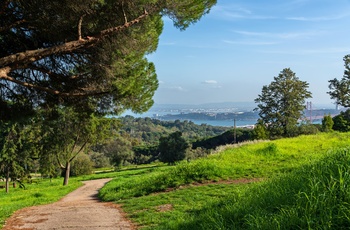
[242, 44]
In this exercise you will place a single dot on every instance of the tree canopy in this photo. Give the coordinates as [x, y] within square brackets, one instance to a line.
[340, 89]
[341, 122]
[88, 53]
[282, 102]
[172, 148]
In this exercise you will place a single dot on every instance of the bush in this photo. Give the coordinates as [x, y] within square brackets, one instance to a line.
[172, 148]
[82, 165]
[192, 154]
[99, 160]
[307, 129]
[342, 121]
[242, 135]
[327, 123]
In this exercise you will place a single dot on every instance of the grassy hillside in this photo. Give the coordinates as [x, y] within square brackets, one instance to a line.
[294, 171]
[295, 183]
[315, 196]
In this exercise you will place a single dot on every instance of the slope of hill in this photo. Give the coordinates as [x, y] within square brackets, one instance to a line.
[289, 196]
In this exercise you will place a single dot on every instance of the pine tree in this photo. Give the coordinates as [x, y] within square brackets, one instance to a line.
[282, 102]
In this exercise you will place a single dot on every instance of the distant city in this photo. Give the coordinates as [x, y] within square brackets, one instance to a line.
[241, 114]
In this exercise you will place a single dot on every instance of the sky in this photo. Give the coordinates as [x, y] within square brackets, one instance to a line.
[241, 45]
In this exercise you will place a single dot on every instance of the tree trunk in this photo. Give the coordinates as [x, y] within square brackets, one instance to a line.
[66, 174]
[7, 185]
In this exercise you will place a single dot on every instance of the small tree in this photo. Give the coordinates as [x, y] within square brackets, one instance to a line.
[119, 151]
[281, 104]
[172, 148]
[82, 165]
[99, 160]
[68, 132]
[17, 148]
[260, 131]
[340, 90]
[342, 121]
[327, 123]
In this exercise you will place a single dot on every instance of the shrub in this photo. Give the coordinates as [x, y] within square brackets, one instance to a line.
[342, 121]
[327, 123]
[172, 148]
[99, 160]
[82, 165]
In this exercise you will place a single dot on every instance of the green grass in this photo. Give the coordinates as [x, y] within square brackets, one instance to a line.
[231, 206]
[315, 196]
[163, 210]
[259, 160]
[39, 192]
[298, 184]
[42, 191]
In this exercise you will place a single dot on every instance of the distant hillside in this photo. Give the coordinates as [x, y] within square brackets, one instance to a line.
[149, 130]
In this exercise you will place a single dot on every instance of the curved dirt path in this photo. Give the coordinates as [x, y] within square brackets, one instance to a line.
[80, 209]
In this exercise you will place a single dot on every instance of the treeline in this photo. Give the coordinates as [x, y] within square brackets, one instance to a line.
[147, 130]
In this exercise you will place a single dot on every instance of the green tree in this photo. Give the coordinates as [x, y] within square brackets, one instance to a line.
[172, 148]
[145, 154]
[340, 89]
[327, 123]
[119, 151]
[68, 132]
[260, 131]
[17, 150]
[99, 160]
[342, 121]
[282, 102]
[82, 165]
[48, 165]
[53, 52]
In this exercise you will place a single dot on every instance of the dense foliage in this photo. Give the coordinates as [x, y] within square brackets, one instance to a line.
[53, 52]
[18, 149]
[224, 139]
[327, 123]
[341, 122]
[149, 130]
[71, 63]
[282, 102]
[172, 148]
[340, 89]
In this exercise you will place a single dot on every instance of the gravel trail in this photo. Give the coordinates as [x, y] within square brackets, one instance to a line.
[80, 209]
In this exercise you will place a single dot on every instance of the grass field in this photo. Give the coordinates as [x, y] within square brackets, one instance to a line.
[283, 165]
[303, 184]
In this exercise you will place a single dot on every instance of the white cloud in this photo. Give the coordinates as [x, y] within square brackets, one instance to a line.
[253, 43]
[235, 12]
[318, 19]
[333, 50]
[209, 82]
[177, 88]
[290, 35]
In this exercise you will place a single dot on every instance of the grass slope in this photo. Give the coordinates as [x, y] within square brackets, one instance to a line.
[316, 196]
[303, 189]
[288, 162]
[248, 161]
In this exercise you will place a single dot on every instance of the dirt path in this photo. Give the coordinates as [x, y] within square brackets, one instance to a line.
[78, 210]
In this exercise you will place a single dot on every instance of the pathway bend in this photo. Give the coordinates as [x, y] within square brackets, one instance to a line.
[80, 209]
